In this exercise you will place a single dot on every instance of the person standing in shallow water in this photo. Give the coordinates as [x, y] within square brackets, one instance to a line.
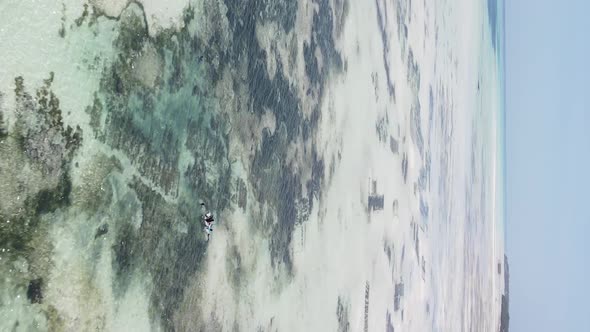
[208, 221]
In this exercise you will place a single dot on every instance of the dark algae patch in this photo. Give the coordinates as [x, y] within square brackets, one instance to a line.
[342, 315]
[34, 291]
[274, 179]
[42, 143]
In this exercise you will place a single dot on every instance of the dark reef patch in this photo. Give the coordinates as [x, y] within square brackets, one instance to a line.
[275, 181]
[34, 290]
[3, 129]
[101, 230]
[42, 144]
[342, 316]
[40, 129]
[314, 185]
[178, 255]
[415, 117]
[49, 200]
[398, 294]
[381, 21]
[244, 15]
[402, 11]
[95, 111]
[381, 128]
[389, 323]
[62, 29]
[367, 293]
[321, 40]
[80, 20]
[393, 145]
[505, 307]
[125, 257]
[279, 186]
[210, 175]
[405, 167]
[242, 195]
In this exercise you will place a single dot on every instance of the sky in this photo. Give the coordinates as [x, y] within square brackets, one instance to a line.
[548, 164]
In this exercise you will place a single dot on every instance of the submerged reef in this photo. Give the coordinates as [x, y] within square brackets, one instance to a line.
[202, 111]
[36, 163]
[505, 309]
[37, 155]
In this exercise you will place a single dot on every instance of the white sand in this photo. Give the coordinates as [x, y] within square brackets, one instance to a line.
[163, 14]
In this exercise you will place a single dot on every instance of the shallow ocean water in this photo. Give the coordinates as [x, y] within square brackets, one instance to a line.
[350, 151]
